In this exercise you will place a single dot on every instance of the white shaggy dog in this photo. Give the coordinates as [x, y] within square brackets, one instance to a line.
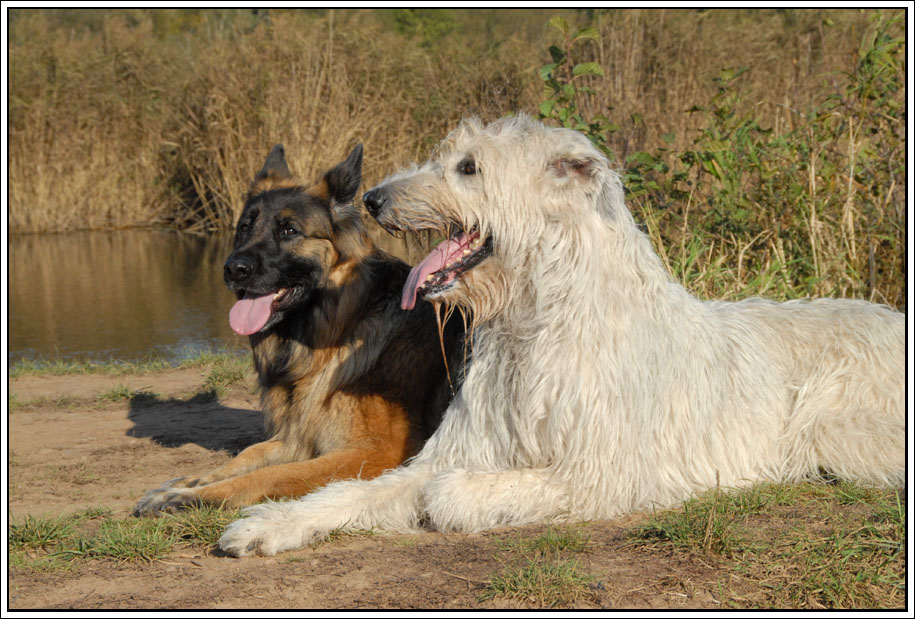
[598, 386]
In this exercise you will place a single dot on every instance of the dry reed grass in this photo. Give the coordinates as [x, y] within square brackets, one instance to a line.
[161, 118]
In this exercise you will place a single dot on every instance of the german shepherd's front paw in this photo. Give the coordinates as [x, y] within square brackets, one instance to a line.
[166, 498]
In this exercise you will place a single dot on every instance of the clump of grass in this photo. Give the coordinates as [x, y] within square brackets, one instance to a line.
[57, 543]
[546, 584]
[37, 533]
[708, 524]
[225, 371]
[200, 524]
[139, 539]
[116, 394]
[538, 569]
[801, 545]
[115, 367]
[857, 561]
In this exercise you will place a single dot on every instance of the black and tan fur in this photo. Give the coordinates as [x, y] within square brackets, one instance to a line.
[351, 384]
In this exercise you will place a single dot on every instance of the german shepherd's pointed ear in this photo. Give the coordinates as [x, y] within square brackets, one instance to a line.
[343, 180]
[275, 165]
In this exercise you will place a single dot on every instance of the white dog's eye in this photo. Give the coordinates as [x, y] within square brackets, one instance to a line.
[467, 167]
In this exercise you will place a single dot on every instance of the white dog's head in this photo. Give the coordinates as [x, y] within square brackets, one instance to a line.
[495, 192]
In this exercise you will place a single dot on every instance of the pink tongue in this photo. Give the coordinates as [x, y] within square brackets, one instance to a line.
[435, 261]
[250, 314]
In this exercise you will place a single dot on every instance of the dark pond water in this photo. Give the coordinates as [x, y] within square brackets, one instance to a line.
[124, 295]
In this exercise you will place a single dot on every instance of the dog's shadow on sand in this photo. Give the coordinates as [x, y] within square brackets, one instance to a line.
[200, 420]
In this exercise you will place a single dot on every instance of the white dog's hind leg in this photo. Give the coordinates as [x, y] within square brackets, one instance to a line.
[464, 501]
[391, 501]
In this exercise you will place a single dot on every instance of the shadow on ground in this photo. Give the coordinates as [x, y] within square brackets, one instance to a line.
[200, 420]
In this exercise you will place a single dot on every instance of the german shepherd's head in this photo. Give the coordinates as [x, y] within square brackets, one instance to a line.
[293, 242]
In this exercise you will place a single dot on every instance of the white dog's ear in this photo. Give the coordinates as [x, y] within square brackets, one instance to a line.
[573, 167]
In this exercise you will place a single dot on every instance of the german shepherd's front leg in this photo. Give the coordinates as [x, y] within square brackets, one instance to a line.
[291, 479]
[251, 458]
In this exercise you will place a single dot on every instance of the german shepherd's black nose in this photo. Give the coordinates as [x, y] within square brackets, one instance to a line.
[375, 200]
[238, 268]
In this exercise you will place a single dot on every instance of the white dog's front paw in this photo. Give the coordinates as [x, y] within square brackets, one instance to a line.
[266, 530]
[246, 537]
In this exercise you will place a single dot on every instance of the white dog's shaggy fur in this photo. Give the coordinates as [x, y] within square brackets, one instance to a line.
[598, 386]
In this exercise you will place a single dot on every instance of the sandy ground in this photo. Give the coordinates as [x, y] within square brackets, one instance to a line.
[69, 451]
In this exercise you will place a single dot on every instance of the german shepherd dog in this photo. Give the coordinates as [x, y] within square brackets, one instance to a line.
[351, 385]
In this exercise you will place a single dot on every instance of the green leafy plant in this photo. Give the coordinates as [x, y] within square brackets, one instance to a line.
[565, 81]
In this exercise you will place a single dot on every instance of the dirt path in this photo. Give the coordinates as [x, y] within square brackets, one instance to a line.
[71, 449]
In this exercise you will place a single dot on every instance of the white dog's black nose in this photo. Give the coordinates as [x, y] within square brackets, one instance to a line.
[375, 200]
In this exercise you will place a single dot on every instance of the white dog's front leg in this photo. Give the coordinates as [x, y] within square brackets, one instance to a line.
[391, 501]
[466, 501]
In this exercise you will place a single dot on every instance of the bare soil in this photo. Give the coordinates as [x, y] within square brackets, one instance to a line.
[71, 450]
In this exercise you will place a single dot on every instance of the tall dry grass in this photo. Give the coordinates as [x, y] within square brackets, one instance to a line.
[117, 127]
[143, 117]
[784, 175]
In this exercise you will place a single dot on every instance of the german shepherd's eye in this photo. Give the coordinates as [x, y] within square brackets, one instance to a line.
[287, 231]
[467, 167]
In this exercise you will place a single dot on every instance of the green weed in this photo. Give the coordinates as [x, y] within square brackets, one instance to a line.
[39, 533]
[547, 584]
[793, 546]
[52, 544]
[116, 394]
[200, 524]
[538, 571]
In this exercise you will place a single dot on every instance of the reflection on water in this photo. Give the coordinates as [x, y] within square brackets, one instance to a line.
[118, 295]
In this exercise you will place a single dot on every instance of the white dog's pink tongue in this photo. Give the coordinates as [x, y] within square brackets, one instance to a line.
[250, 314]
[445, 252]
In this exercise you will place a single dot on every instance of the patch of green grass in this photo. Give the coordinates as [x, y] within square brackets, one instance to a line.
[47, 563]
[538, 570]
[200, 524]
[116, 394]
[806, 545]
[114, 367]
[224, 372]
[39, 532]
[708, 523]
[92, 513]
[216, 357]
[60, 367]
[51, 544]
[545, 583]
[135, 539]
